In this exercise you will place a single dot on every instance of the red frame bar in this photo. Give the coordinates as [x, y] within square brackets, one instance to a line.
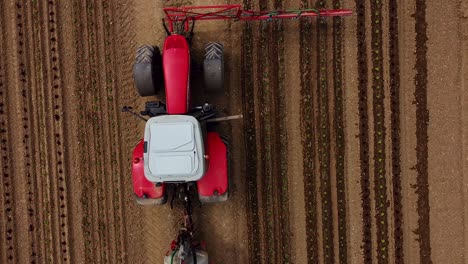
[224, 12]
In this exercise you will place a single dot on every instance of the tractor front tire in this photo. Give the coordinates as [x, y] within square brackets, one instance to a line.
[147, 70]
[213, 67]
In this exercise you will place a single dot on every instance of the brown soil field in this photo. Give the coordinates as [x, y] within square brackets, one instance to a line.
[352, 148]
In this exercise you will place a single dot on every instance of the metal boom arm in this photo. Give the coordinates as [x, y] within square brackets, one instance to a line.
[235, 12]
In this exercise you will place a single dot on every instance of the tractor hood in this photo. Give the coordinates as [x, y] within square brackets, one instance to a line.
[173, 149]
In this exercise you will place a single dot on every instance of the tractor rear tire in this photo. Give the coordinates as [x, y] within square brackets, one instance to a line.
[147, 70]
[213, 67]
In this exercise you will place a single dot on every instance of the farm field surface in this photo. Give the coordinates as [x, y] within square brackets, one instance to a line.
[352, 147]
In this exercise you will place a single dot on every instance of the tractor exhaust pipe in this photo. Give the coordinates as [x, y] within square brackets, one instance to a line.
[129, 109]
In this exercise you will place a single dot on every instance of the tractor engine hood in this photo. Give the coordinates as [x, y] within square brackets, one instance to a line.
[173, 149]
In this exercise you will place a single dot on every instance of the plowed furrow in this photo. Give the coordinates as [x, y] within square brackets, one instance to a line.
[85, 161]
[41, 116]
[25, 172]
[123, 51]
[265, 152]
[250, 140]
[52, 152]
[96, 116]
[380, 185]
[308, 137]
[364, 130]
[278, 143]
[107, 132]
[395, 126]
[323, 134]
[86, 76]
[125, 36]
[8, 252]
[339, 134]
[115, 193]
[43, 145]
[422, 123]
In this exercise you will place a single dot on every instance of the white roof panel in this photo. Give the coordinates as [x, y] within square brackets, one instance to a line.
[174, 149]
[172, 137]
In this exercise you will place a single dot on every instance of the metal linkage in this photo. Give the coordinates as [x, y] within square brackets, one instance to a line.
[235, 12]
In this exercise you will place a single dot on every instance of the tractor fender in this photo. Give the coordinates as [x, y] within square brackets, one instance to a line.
[146, 192]
[213, 187]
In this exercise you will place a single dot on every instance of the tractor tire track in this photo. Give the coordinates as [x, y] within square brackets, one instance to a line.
[124, 47]
[380, 185]
[308, 137]
[422, 123]
[160, 223]
[339, 135]
[364, 130]
[323, 142]
[395, 130]
[9, 250]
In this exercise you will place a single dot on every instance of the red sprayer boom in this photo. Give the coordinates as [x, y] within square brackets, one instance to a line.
[235, 12]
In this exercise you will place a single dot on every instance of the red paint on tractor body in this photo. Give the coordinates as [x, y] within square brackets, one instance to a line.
[141, 186]
[216, 177]
[176, 65]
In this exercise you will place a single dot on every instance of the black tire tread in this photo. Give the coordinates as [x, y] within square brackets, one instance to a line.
[144, 54]
[214, 51]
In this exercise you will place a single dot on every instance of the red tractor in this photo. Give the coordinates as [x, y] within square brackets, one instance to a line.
[178, 151]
